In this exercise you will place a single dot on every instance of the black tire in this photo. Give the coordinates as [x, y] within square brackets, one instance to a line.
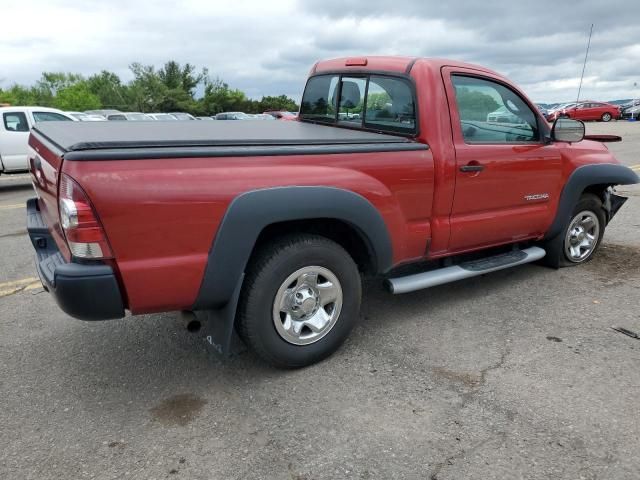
[606, 117]
[557, 256]
[269, 269]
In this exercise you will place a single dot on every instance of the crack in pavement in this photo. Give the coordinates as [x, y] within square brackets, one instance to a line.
[449, 461]
[18, 233]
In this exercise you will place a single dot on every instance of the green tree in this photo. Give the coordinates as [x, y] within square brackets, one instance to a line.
[108, 87]
[281, 102]
[183, 78]
[170, 88]
[21, 95]
[147, 90]
[76, 97]
[218, 97]
[474, 105]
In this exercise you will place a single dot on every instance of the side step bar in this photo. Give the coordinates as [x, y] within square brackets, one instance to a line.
[463, 270]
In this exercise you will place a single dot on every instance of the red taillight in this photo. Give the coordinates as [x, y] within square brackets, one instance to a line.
[82, 229]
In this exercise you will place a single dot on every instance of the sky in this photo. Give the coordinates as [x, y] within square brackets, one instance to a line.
[267, 47]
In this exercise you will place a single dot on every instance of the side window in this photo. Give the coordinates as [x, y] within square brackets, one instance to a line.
[492, 113]
[49, 117]
[319, 100]
[351, 100]
[15, 122]
[390, 105]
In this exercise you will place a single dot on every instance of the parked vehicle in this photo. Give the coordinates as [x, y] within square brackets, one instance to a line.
[631, 113]
[282, 115]
[552, 113]
[632, 103]
[183, 116]
[263, 116]
[15, 124]
[129, 116]
[268, 227]
[502, 115]
[232, 116]
[544, 111]
[589, 110]
[162, 117]
[103, 112]
[86, 117]
[205, 118]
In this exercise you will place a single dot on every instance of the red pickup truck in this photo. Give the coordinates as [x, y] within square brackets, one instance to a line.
[268, 227]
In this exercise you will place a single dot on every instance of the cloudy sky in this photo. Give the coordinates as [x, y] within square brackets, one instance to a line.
[266, 47]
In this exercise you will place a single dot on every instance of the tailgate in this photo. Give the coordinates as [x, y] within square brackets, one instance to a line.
[45, 165]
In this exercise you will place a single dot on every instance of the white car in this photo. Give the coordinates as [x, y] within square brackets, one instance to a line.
[128, 116]
[15, 124]
[162, 117]
[87, 117]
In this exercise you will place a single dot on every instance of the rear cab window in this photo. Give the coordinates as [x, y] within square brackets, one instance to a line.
[370, 101]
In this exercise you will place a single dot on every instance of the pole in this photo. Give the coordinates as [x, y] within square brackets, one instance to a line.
[584, 65]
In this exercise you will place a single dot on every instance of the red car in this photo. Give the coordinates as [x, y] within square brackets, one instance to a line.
[590, 110]
[267, 228]
[282, 115]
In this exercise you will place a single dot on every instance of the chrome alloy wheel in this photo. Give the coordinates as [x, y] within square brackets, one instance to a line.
[582, 236]
[307, 305]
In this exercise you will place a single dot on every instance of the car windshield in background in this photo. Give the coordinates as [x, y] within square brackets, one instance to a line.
[182, 116]
[374, 102]
[137, 117]
[50, 117]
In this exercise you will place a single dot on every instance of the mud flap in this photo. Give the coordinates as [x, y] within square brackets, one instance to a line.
[218, 327]
[613, 203]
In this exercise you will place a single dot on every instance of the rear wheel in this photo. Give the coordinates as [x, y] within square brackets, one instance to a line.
[606, 117]
[300, 301]
[581, 236]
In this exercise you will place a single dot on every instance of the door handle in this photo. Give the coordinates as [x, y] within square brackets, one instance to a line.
[472, 167]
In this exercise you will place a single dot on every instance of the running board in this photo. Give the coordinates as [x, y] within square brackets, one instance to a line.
[463, 270]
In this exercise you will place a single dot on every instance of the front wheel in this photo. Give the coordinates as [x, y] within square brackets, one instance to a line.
[580, 237]
[300, 301]
[606, 117]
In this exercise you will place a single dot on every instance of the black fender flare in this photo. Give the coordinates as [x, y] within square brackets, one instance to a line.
[581, 178]
[251, 212]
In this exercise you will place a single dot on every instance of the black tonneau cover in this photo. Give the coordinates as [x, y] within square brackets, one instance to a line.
[76, 136]
[221, 138]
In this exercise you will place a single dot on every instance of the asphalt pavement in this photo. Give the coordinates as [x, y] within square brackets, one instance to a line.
[515, 374]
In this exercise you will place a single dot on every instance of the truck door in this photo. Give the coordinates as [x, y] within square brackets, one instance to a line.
[14, 135]
[508, 180]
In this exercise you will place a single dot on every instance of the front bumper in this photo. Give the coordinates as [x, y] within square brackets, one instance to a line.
[84, 291]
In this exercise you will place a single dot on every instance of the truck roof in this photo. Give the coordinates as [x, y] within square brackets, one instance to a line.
[394, 63]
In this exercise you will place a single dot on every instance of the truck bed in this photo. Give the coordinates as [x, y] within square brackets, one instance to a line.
[119, 140]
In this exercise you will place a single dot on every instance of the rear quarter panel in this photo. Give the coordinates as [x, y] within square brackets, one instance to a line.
[161, 215]
[45, 167]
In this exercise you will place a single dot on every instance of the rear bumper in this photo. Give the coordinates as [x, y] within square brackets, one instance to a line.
[84, 291]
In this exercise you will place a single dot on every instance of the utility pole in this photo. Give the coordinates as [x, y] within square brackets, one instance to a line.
[584, 65]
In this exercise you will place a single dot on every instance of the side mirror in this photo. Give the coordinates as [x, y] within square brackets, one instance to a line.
[567, 130]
